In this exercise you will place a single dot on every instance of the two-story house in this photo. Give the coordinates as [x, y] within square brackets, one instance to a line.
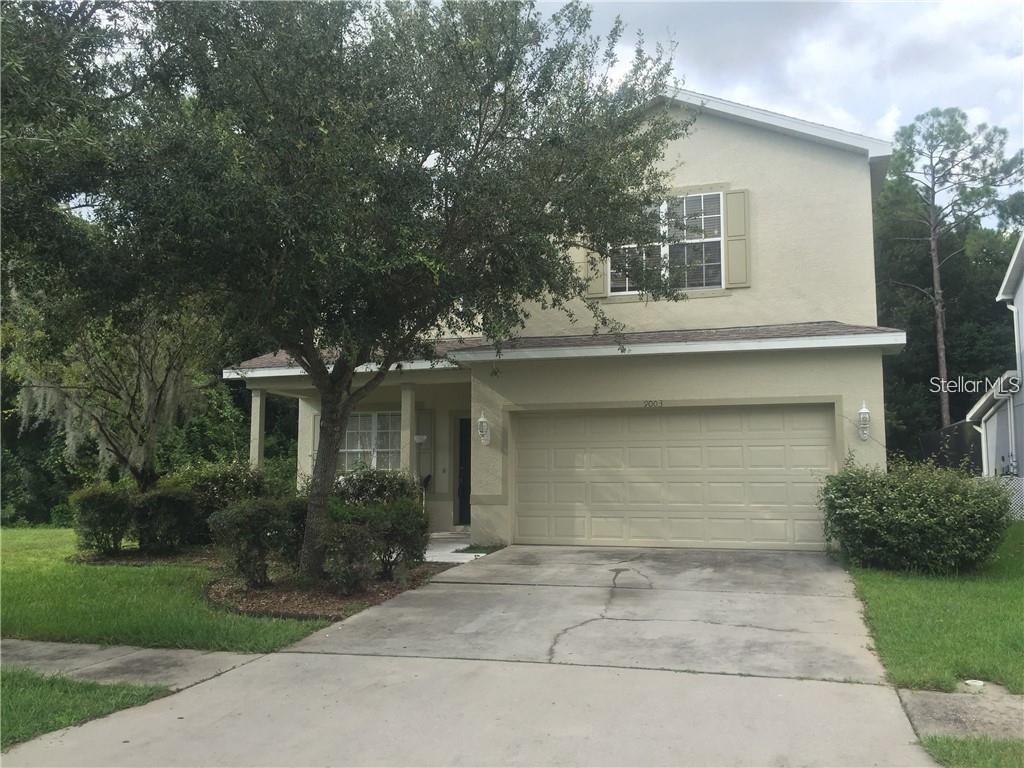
[716, 425]
[999, 413]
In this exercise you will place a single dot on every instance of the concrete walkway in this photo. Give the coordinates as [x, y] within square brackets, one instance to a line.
[443, 546]
[174, 668]
[547, 656]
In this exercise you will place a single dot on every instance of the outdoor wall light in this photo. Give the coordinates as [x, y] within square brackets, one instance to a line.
[864, 421]
[483, 429]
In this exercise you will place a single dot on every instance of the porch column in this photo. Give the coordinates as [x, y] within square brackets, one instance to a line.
[408, 446]
[257, 424]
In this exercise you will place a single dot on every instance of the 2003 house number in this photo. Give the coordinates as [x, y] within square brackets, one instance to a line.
[653, 403]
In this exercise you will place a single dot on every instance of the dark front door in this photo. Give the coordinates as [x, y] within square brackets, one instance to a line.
[462, 496]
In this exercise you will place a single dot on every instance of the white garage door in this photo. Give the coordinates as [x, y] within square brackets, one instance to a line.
[684, 477]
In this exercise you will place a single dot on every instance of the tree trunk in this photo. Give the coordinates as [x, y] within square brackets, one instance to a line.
[334, 414]
[145, 477]
[939, 304]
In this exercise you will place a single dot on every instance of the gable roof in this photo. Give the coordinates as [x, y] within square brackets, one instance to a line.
[1013, 274]
[793, 126]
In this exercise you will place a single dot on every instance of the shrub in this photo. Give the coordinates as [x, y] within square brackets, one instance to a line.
[167, 518]
[917, 516]
[215, 487]
[398, 530]
[253, 530]
[279, 475]
[375, 486]
[62, 515]
[102, 516]
[288, 545]
[349, 559]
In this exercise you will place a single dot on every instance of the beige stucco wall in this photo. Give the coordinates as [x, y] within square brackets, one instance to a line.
[844, 377]
[810, 234]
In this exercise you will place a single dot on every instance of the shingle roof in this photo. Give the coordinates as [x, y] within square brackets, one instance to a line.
[446, 347]
[281, 359]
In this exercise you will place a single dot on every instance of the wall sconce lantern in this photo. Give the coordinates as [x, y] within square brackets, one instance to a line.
[864, 421]
[483, 430]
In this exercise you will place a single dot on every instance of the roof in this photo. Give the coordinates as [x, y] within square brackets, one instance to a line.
[996, 396]
[1011, 280]
[823, 134]
[816, 335]
[282, 359]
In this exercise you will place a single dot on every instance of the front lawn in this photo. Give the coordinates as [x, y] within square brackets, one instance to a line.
[32, 704]
[976, 753]
[932, 632]
[158, 606]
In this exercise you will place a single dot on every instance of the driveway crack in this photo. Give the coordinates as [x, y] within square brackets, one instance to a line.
[619, 571]
[562, 632]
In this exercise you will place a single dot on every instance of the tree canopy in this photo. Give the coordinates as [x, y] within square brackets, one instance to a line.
[349, 181]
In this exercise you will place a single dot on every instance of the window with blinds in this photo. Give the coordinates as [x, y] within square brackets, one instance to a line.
[690, 256]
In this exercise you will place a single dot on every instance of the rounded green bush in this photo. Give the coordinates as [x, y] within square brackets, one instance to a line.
[103, 515]
[915, 517]
[253, 530]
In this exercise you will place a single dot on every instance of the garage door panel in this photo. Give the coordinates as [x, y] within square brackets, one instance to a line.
[684, 457]
[569, 458]
[569, 527]
[645, 493]
[766, 457]
[607, 458]
[722, 420]
[684, 493]
[608, 528]
[569, 493]
[644, 457]
[769, 531]
[716, 477]
[723, 457]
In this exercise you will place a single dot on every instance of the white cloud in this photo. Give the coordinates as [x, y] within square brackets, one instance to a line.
[886, 125]
[868, 66]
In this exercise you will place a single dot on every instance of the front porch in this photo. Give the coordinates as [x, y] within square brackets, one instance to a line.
[418, 422]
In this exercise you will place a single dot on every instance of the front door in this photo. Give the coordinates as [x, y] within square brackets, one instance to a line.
[462, 496]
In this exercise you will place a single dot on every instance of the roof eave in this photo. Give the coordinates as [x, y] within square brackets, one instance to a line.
[1011, 280]
[823, 134]
[888, 342]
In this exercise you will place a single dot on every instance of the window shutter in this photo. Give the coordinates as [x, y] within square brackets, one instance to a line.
[737, 240]
[597, 274]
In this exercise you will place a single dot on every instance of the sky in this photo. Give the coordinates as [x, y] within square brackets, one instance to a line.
[868, 67]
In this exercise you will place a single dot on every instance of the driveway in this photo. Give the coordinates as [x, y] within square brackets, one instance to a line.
[548, 655]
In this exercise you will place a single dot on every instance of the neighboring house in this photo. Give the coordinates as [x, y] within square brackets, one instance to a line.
[999, 413]
[716, 426]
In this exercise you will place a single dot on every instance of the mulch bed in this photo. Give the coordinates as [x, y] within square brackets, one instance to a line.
[288, 600]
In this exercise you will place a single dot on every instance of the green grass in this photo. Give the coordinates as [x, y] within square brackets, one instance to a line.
[976, 753]
[481, 549]
[32, 704]
[157, 606]
[932, 632]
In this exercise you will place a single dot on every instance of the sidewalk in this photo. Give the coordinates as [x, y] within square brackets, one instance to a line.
[173, 667]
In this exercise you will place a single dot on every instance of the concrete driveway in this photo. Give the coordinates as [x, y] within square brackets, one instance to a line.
[548, 656]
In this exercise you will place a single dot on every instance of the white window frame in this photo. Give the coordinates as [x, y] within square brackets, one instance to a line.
[374, 434]
[663, 211]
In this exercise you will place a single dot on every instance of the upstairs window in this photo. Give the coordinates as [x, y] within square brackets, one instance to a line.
[690, 256]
